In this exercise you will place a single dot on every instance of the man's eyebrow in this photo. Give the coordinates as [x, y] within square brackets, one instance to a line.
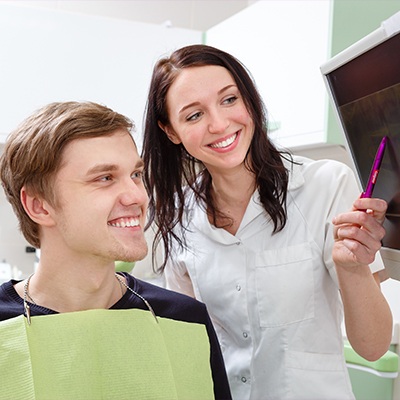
[108, 167]
[99, 168]
[139, 163]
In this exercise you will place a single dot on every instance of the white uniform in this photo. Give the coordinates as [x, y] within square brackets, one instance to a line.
[274, 298]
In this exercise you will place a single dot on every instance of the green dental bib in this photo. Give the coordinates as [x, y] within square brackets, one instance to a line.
[104, 354]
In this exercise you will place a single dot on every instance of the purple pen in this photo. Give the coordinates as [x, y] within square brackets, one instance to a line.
[375, 169]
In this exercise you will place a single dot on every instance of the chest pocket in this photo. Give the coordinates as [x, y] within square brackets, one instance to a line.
[285, 285]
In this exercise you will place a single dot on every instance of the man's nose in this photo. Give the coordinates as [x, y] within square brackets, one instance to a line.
[133, 193]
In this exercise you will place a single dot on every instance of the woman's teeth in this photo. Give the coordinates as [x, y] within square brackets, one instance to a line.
[224, 143]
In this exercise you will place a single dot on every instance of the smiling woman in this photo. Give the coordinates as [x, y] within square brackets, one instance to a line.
[233, 213]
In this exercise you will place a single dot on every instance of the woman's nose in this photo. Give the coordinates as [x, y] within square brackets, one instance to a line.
[218, 122]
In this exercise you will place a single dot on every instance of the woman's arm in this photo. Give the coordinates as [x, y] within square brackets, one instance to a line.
[178, 281]
[368, 318]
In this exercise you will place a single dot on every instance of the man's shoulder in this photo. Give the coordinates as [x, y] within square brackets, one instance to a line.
[167, 295]
[170, 304]
[10, 307]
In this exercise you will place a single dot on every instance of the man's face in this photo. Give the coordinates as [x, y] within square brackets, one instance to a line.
[101, 199]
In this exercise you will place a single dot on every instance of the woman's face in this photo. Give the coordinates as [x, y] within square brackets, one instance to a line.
[208, 116]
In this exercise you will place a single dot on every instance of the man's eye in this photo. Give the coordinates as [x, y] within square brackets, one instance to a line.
[105, 178]
[137, 175]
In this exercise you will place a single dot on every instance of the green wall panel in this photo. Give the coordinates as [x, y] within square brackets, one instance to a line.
[351, 21]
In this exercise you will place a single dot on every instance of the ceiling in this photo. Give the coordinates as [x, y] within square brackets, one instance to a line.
[191, 14]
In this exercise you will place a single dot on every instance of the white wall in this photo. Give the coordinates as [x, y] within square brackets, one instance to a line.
[48, 55]
[283, 44]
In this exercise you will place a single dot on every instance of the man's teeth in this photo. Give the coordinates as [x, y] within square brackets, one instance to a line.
[125, 223]
[224, 143]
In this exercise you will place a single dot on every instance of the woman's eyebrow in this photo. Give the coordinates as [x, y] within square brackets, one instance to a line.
[195, 103]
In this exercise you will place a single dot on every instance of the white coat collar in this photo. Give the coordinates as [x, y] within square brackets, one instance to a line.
[254, 209]
[296, 177]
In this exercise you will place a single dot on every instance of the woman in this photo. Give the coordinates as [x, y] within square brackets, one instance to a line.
[248, 230]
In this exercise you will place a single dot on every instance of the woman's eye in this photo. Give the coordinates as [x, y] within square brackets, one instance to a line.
[193, 117]
[230, 100]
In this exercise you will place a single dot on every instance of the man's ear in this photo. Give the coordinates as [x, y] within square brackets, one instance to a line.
[36, 208]
[172, 136]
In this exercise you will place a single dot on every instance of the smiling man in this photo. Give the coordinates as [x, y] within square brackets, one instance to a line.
[74, 178]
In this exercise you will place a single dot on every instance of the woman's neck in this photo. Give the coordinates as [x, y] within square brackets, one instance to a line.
[231, 194]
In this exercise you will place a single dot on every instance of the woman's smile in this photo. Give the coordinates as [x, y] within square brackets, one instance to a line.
[223, 144]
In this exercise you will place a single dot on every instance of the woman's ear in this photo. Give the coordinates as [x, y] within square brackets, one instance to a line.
[172, 136]
[36, 208]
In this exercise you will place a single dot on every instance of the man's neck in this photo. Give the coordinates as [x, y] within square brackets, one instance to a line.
[66, 290]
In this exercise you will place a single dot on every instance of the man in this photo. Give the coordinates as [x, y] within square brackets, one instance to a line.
[74, 178]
